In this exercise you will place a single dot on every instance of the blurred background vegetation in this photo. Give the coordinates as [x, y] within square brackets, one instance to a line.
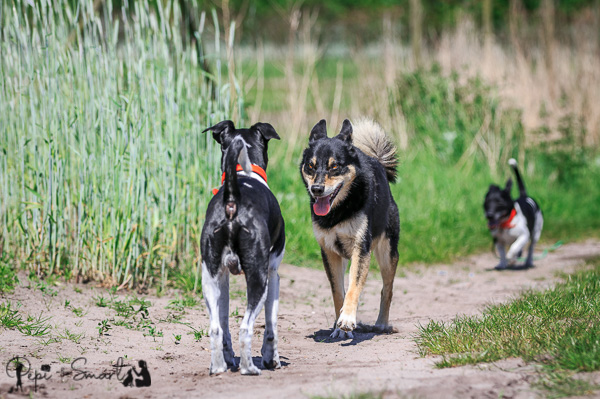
[105, 175]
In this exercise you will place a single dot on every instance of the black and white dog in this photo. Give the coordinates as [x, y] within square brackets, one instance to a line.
[243, 233]
[513, 223]
[353, 213]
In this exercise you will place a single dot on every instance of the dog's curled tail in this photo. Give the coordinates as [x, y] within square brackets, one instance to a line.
[369, 137]
[513, 164]
[236, 154]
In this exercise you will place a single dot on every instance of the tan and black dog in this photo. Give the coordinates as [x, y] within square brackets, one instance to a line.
[353, 213]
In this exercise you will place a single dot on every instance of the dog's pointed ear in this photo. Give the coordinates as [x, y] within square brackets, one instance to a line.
[318, 132]
[345, 132]
[508, 186]
[266, 130]
[219, 129]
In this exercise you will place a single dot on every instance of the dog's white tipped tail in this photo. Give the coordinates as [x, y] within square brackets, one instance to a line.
[243, 158]
[512, 162]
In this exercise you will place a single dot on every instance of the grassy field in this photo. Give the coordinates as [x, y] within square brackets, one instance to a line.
[557, 328]
[445, 174]
[105, 175]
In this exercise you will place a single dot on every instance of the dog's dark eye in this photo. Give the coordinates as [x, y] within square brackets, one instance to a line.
[311, 166]
[334, 166]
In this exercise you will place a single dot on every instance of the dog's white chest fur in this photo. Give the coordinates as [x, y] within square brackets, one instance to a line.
[343, 236]
[508, 236]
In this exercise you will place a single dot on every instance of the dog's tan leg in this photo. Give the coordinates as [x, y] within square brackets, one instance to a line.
[359, 268]
[387, 265]
[334, 267]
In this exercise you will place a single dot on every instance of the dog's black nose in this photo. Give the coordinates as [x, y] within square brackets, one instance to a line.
[317, 189]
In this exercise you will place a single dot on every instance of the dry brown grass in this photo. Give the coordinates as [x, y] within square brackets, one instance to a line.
[546, 91]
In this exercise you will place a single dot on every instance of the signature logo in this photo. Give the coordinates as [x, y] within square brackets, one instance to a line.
[20, 368]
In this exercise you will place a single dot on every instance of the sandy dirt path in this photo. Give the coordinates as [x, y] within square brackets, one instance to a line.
[312, 363]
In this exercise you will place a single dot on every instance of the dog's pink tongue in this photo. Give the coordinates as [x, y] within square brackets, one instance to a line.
[322, 206]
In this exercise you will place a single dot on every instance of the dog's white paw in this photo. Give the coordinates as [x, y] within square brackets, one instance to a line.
[346, 322]
[341, 334]
[218, 368]
[250, 370]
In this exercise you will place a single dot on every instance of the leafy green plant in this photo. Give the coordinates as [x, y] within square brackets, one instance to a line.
[101, 301]
[103, 327]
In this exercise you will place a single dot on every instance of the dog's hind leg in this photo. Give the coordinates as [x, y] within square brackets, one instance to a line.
[256, 283]
[224, 321]
[334, 267]
[270, 355]
[212, 289]
[387, 257]
[537, 231]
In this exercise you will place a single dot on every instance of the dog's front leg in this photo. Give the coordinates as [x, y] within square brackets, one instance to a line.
[257, 294]
[270, 356]
[212, 287]
[502, 254]
[517, 247]
[334, 267]
[359, 268]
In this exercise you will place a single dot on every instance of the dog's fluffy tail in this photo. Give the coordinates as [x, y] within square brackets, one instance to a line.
[236, 154]
[513, 164]
[369, 137]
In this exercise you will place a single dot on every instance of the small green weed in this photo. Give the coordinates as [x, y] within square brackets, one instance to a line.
[101, 301]
[64, 359]
[71, 336]
[8, 278]
[103, 327]
[9, 317]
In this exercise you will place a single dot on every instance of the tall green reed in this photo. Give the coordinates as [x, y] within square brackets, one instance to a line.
[104, 172]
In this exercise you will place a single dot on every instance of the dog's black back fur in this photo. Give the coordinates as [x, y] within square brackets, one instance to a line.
[256, 226]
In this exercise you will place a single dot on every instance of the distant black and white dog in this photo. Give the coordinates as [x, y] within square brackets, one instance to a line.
[353, 213]
[243, 233]
[513, 223]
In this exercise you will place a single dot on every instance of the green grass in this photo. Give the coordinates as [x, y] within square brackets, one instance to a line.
[558, 328]
[441, 207]
[104, 171]
[11, 318]
[444, 175]
[105, 175]
[8, 277]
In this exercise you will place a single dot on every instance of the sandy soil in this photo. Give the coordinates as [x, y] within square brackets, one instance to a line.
[312, 363]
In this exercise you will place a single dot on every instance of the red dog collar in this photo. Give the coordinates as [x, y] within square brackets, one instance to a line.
[506, 224]
[255, 168]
